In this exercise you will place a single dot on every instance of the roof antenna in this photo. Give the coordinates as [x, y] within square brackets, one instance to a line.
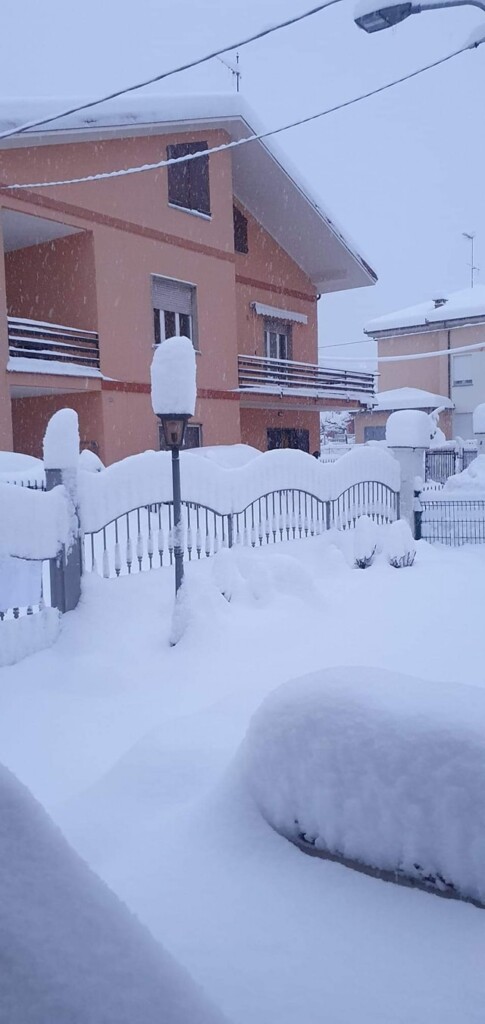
[471, 238]
[233, 68]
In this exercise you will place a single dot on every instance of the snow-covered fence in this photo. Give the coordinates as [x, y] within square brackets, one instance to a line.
[441, 463]
[453, 513]
[127, 513]
[34, 527]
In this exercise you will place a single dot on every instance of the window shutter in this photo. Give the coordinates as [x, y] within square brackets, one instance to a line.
[172, 295]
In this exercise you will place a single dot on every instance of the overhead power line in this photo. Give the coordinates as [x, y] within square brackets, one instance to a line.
[458, 351]
[261, 34]
[250, 138]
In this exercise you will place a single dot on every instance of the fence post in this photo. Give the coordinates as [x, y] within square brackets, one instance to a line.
[61, 454]
[327, 515]
[418, 515]
[230, 530]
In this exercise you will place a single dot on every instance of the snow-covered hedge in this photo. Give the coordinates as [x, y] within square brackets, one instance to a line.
[399, 544]
[147, 478]
[33, 524]
[377, 768]
[470, 482]
[365, 542]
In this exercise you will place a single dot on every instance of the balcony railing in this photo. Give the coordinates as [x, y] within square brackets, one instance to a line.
[286, 377]
[33, 339]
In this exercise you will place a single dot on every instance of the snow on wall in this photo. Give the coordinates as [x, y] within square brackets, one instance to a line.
[33, 524]
[147, 478]
[21, 637]
[173, 376]
[479, 419]
[376, 767]
[71, 950]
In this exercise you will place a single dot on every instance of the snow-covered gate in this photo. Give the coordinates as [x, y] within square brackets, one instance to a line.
[35, 530]
[127, 512]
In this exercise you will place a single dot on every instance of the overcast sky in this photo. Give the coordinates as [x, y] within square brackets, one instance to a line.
[402, 173]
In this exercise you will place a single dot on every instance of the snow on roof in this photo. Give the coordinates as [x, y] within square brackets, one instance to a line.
[461, 305]
[72, 950]
[306, 231]
[410, 398]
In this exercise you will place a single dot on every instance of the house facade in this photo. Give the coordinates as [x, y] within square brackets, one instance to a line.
[226, 248]
[445, 325]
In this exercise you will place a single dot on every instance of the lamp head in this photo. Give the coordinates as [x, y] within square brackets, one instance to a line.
[173, 427]
[385, 17]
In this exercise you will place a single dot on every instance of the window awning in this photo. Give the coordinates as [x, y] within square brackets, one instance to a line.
[279, 314]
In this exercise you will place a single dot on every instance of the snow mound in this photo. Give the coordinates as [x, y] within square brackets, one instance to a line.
[471, 480]
[229, 456]
[14, 466]
[378, 768]
[173, 373]
[61, 440]
[89, 461]
[409, 428]
[70, 950]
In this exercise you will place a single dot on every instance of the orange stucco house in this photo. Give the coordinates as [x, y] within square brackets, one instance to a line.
[228, 248]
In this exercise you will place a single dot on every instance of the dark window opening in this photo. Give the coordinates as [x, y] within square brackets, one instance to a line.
[188, 183]
[375, 433]
[288, 437]
[240, 231]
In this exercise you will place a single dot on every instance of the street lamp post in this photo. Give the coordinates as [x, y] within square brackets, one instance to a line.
[173, 377]
[378, 18]
[173, 426]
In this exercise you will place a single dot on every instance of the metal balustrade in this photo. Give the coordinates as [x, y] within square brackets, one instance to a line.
[33, 339]
[143, 538]
[288, 377]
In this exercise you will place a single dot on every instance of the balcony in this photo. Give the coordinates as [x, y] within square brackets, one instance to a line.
[282, 377]
[33, 339]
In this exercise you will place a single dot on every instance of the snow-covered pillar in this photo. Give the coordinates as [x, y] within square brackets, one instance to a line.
[479, 428]
[408, 435]
[61, 455]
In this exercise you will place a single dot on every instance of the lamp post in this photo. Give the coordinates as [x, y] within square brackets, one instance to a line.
[173, 401]
[377, 18]
[173, 427]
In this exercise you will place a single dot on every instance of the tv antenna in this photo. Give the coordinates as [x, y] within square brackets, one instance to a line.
[233, 67]
[470, 235]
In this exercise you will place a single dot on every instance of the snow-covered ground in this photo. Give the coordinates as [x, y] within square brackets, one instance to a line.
[133, 748]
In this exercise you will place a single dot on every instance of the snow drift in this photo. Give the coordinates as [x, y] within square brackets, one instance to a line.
[70, 951]
[378, 768]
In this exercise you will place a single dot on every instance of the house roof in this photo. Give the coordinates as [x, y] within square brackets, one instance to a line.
[264, 181]
[451, 307]
[410, 398]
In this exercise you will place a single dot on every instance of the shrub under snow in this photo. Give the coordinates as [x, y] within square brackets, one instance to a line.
[365, 542]
[400, 546]
[377, 768]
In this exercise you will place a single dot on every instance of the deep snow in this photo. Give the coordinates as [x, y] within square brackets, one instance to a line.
[131, 746]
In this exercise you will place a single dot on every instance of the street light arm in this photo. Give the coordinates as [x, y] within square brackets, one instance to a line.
[441, 4]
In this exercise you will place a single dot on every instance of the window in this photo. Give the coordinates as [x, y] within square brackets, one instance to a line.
[462, 370]
[374, 433]
[277, 340]
[188, 183]
[173, 309]
[288, 437]
[192, 437]
[240, 230]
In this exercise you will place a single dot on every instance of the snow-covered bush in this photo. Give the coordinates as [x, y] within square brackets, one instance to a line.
[376, 768]
[365, 542]
[400, 546]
